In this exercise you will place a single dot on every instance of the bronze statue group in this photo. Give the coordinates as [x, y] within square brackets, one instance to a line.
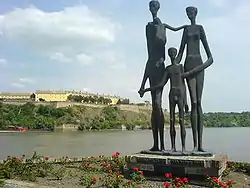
[192, 72]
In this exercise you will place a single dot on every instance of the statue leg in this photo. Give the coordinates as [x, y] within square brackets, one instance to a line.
[160, 119]
[192, 91]
[182, 126]
[199, 86]
[172, 104]
[154, 122]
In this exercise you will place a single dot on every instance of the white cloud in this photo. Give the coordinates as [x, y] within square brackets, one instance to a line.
[84, 59]
[17, 85]
[69, 31]
[85, 89]
[113, 59]
[58, 56]
[3, 61]
[27, 80]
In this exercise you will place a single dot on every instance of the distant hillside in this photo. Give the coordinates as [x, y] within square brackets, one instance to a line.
[38, 116]
[90, 116]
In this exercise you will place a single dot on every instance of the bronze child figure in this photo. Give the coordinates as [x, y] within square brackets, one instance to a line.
[177, 96]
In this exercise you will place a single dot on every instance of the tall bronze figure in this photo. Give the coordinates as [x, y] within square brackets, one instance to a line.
[177, 96]
[154, 71]
[194, 70]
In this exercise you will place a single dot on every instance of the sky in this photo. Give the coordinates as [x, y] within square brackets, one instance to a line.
[99, 46]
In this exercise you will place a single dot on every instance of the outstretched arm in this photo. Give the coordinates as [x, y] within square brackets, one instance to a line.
[208, 52]
[145, 75]
[182, 46]
[174, 28]
[161, 84]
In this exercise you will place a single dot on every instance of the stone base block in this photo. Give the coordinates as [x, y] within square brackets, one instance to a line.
[193, 167]
[179, 153]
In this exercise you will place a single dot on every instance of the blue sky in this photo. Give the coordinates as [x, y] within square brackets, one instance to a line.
[99, 46]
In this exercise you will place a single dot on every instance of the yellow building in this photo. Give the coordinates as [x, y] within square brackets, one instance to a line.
[58, 96]
[61, 96]
[52, 96]
[15, 96]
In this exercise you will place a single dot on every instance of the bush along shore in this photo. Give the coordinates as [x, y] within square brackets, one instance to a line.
[105, 171]
[47, 117]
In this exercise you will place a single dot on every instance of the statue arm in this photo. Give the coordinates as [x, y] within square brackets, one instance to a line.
[145, 75]
[208, 52]
[161, 84]
[174, 28]
[182, 46]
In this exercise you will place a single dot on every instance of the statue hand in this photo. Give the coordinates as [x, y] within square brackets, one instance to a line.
[186, 74]
[177, 60]
[141, 92]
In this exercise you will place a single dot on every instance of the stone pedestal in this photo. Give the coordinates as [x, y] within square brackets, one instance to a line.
[193, 167]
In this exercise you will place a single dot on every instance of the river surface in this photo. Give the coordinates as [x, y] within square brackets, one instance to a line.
[232, 141]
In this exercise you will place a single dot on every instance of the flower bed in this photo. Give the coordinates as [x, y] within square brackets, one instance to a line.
[100, 171]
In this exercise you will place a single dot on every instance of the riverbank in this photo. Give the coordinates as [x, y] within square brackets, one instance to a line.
[92, 116]
[101, 171]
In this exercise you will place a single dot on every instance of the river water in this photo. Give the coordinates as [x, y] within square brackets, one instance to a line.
[232, 141]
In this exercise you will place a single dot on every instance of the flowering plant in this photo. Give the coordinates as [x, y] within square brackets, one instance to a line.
[215, 182]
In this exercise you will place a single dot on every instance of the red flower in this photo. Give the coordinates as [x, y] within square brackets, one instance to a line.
[109, 169]
[229, 163]
[116, 170]
[128, 182]
[118, 175]
[166, 185]
[100, 178]
[23, 155]
[105, 164]
[94, 180]
[17, 159]
[113, 156]
[221, 183]
[141, 172]
[46, 158]
[181, 181]
[168, 175]
[225, 186]
[185, 180]
[215, 180]
[135, 169]
[117, 153]
[229, 182]
[177, 179]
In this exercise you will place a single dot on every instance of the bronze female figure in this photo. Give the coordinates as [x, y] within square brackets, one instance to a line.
[194, 71]
[154, 71]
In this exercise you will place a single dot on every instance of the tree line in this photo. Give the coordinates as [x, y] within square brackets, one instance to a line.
[110, 117]
[94, 99]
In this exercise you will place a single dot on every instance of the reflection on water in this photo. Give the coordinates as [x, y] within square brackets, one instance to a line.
[232, 141]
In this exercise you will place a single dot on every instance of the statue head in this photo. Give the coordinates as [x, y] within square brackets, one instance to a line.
[191, 12]
[172, 52]
[154, 6]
